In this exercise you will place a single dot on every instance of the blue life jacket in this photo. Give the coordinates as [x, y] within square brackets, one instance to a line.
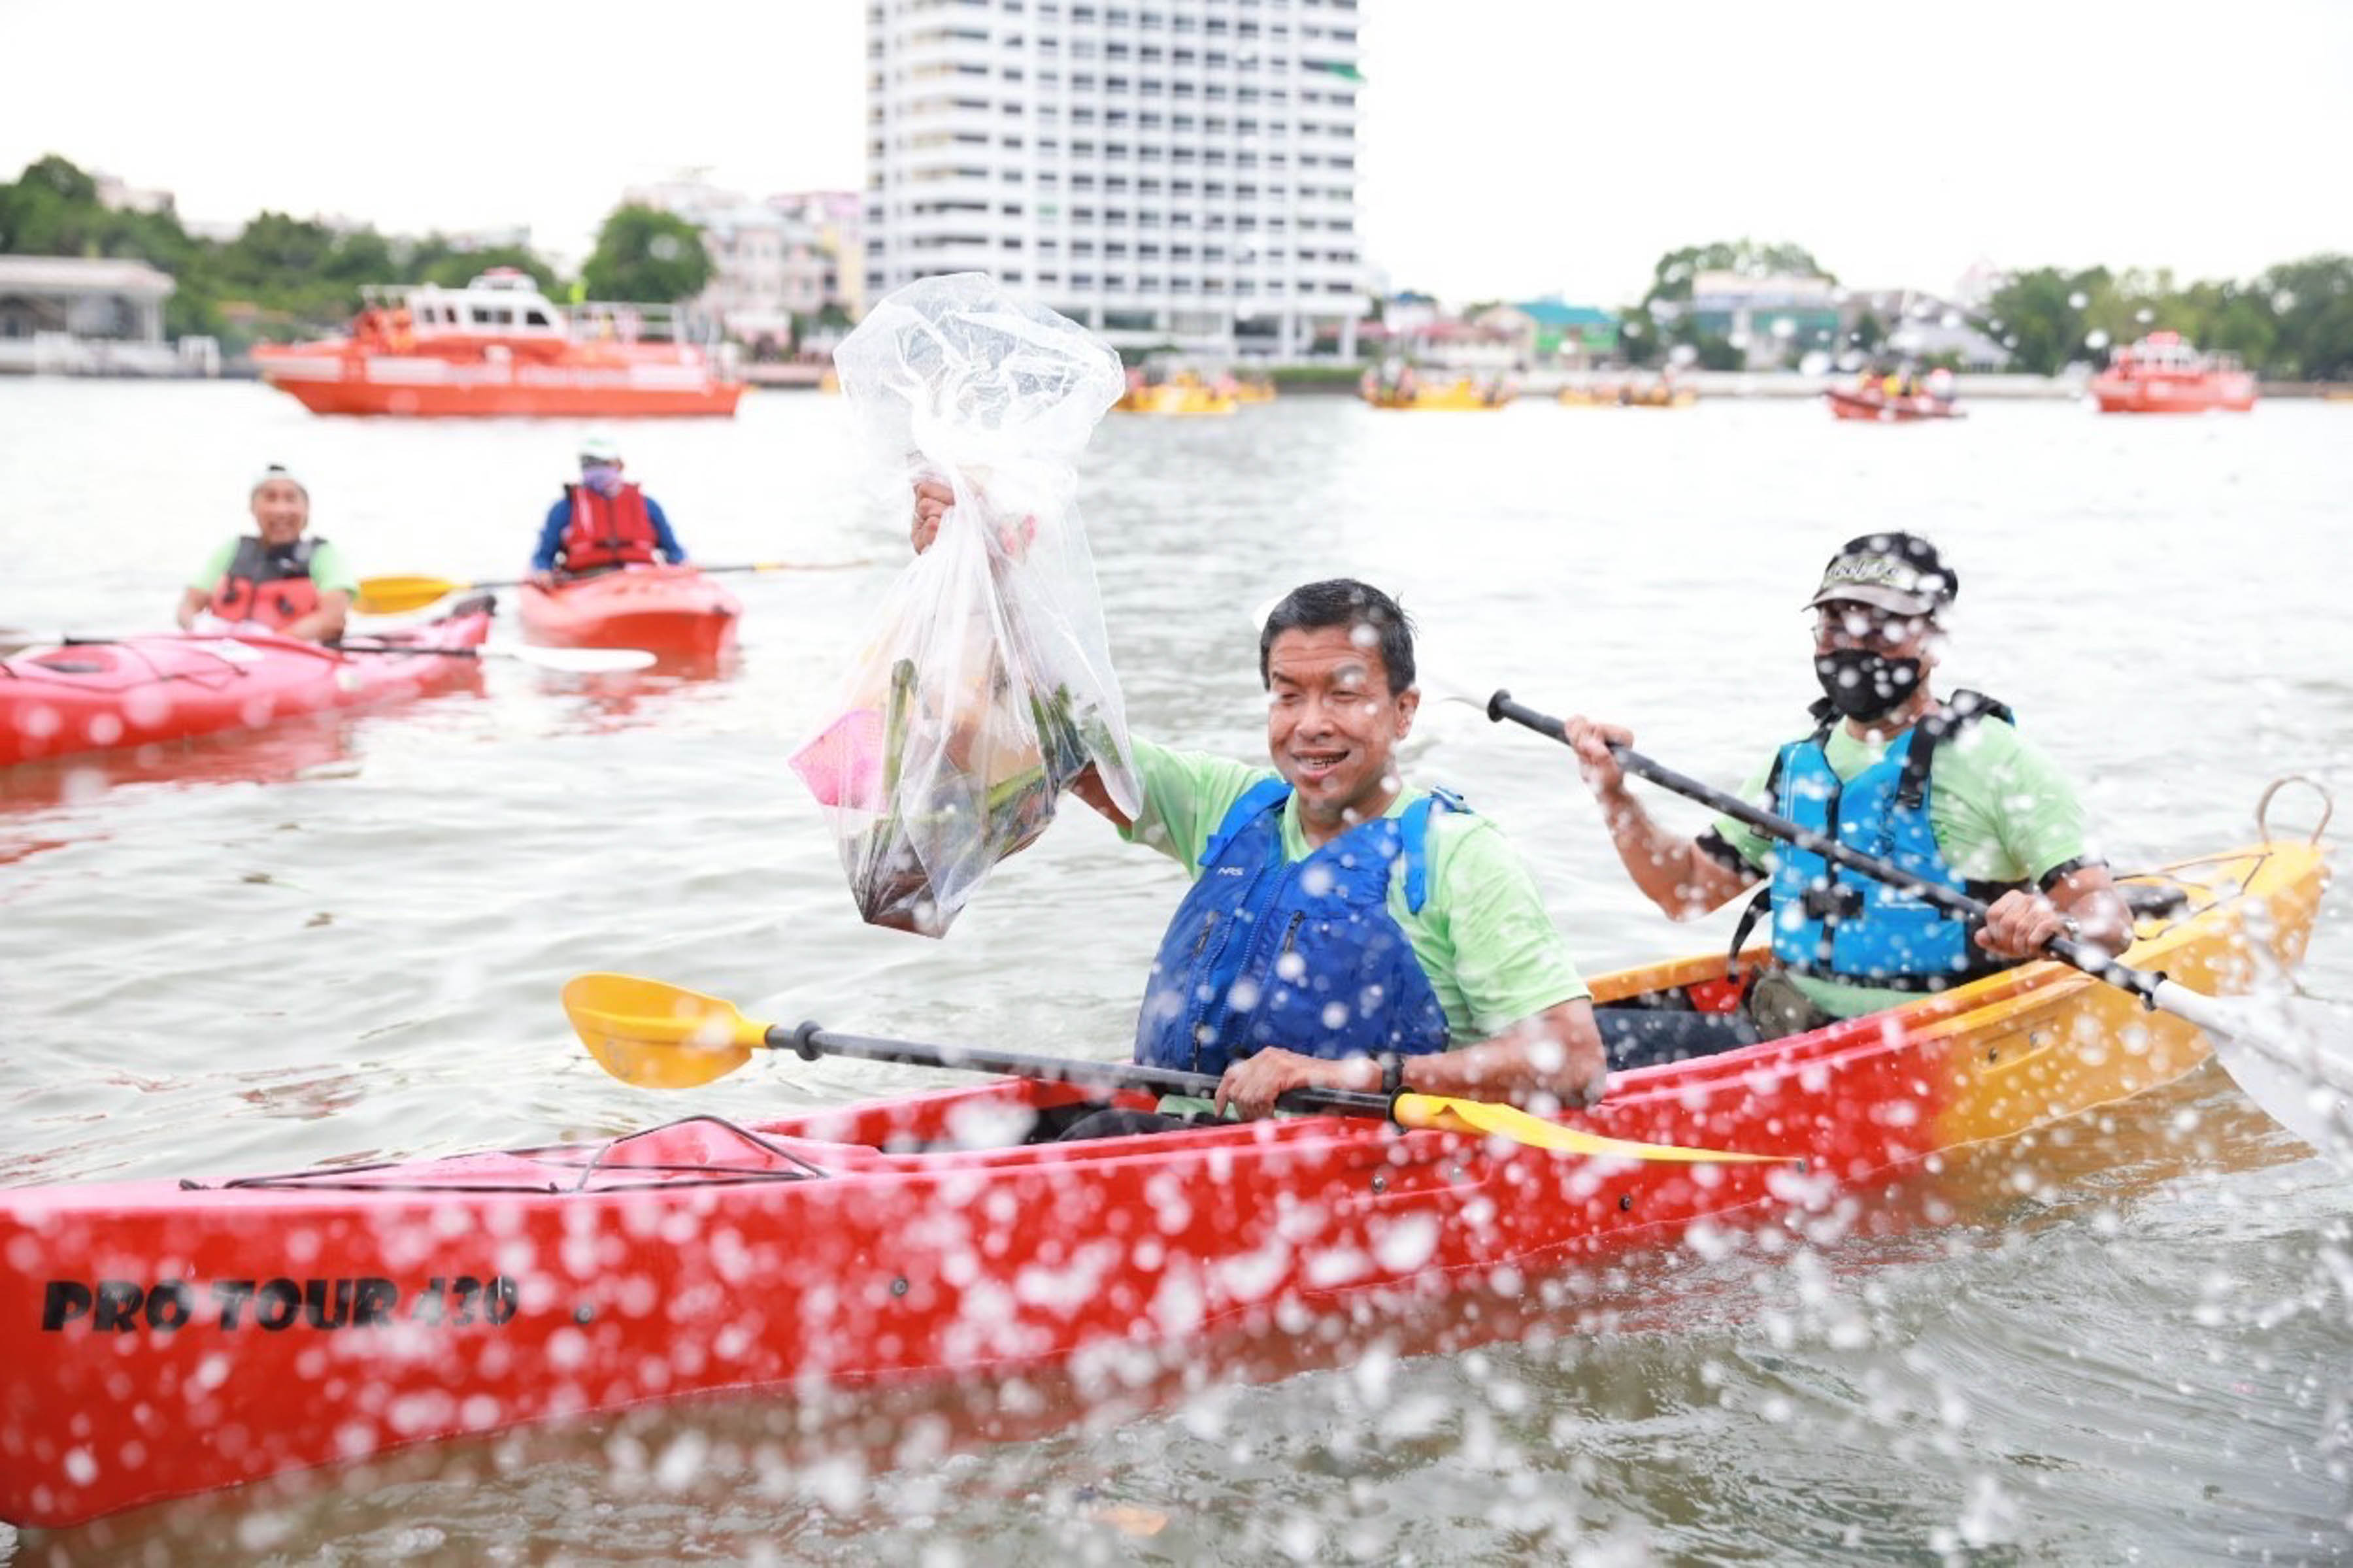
[1301, 954]
[1841, 925]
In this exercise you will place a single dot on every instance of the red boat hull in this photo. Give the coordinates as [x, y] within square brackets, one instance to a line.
[326, 380]
[676, 612]
[2228, 392]
[142, 691]
[164, 1338]
[1880, 408]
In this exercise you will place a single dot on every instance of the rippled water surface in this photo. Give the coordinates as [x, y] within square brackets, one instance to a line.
[2132, 1342]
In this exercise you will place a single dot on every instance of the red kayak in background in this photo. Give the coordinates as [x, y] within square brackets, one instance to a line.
[676, 612]
[1847, 404]
[172, 686]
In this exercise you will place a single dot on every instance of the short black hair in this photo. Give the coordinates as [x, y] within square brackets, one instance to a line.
[1343, 602]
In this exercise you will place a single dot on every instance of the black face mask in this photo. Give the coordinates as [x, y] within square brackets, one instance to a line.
[1863, 685]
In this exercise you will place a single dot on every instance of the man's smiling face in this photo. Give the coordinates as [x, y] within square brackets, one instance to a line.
[1332, 726]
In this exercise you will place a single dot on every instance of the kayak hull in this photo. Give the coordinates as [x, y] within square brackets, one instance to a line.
[166, 1338]
[676, 612]
[145, 691]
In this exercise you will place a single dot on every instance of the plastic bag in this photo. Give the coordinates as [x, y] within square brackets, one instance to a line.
[987, 687]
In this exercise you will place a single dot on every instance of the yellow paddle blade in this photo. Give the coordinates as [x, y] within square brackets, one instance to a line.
[1510, 1121]
[657, 1036]
[395, 596]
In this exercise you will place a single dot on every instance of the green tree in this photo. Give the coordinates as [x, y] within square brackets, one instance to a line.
[2040, 316]
[1672, 278]
[1718, 353]
[646, 255]
[2312, 301]
[1869, 333]
[1640, 339]
[454, 268]
[360, 257]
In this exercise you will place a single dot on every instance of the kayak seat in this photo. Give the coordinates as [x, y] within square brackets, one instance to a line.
[1654, 1029]
[2153, 901]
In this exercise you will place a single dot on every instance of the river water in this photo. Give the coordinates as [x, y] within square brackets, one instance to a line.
[345, 941]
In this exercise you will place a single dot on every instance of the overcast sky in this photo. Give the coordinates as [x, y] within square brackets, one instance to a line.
[1511, 147]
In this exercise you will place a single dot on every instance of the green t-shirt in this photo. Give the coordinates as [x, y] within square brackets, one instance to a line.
[2000, 811]
[328, 572]
[1492, 955]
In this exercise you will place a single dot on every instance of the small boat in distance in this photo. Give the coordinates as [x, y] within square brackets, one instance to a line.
[1407, 390]
[499, 346]
[1182, 392]
[1659, 393]
[1854, 402]
[2163, 374]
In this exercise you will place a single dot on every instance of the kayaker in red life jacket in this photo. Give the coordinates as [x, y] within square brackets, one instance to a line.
[275, 578]
[1342, 931]
[1948, 789]
[602, 522]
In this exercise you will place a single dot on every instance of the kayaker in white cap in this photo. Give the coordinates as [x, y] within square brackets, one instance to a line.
[1343, 931]
[602, 522]
[1946, 786]
[273, 579]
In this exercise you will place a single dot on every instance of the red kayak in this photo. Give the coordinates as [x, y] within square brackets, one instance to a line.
[160, 1338]
[140, 690]
[1886, 410]
[675, 611]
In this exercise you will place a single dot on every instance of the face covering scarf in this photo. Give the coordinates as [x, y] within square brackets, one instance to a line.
[605, 478]
[1864, 686]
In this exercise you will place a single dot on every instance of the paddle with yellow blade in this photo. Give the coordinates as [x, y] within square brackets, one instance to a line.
[659, 1035]
[396, 596]
[2292, 1055]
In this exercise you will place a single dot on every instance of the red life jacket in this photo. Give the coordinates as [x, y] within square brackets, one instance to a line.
[272, 586]
[608, 531]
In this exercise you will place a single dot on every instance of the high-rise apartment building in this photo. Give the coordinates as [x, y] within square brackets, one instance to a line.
[1165, 170]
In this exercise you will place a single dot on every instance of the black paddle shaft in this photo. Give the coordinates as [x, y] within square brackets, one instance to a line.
[810, 1042]
[2141, 983]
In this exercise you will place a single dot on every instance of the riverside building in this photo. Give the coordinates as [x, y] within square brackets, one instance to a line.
[1168, 171]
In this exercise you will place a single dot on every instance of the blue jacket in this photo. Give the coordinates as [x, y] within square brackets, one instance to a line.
[1301, 954]
[1841, 925]
[559, 518]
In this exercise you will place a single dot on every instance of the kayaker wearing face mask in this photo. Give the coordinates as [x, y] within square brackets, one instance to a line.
[603, 521]
[1950, 790]
[1342, 931]
[273, 578]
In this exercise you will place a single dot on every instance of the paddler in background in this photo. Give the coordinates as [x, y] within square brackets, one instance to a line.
[1948, 789]
[602, 522]
[1343, 931]
[274, 578]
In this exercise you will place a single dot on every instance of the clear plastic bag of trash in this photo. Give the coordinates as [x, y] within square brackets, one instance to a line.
[987, 685]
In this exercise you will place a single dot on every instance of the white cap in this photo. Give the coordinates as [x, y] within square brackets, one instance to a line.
[278, 471]
[599, 448]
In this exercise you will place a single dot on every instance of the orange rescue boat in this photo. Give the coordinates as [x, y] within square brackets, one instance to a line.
[498, 346]
[2163, 374]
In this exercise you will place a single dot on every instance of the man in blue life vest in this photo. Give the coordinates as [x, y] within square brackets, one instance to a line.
[1948, 789]
[601, 522]
[273, 578]
[1342, 931]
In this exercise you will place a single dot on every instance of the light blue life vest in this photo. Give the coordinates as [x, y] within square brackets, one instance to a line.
[1302, 954]
[1837, 924]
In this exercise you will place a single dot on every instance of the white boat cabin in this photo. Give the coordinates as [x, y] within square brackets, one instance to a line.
[505, 305]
